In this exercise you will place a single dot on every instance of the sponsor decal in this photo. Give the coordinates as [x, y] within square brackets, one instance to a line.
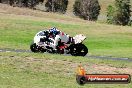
[83, 78]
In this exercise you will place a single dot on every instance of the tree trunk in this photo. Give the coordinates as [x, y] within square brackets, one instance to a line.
[52, 5]
[11, 2]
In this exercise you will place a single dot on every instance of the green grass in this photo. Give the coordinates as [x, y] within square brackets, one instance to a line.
[22, 70]
[32, 70]
[102, 39]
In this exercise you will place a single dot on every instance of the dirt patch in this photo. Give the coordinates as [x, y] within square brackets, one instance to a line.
[59, 67]
[66, 66]
[111, 70]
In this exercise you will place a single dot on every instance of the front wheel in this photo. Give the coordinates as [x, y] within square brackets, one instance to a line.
[33, 47]
[42, 50]
[78, 50]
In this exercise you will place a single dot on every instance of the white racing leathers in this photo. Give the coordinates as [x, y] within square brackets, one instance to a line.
[60, 37]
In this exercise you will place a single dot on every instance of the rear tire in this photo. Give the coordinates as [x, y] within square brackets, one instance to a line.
[78, 50]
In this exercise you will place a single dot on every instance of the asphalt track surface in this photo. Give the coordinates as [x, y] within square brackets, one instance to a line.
[89, 56]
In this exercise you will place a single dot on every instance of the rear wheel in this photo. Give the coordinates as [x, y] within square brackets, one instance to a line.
[78, 50]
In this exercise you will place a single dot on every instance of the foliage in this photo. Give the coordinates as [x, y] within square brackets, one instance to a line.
[56, 6]
[21, 3]
[87, 9]
[121, 14]
[110, 12]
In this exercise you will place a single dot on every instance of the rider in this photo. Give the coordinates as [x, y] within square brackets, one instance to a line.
[53, 32]
[59, 36]
[48, 34]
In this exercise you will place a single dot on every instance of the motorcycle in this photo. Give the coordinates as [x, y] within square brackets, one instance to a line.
[42, 44]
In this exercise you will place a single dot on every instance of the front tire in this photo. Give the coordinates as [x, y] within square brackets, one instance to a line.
[33, 47]
[42, 50]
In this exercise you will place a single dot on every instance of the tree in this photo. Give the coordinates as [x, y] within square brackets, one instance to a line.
[22, 3]
[87, 9]
[4, 1]
[110, 13]
[11, 2]
[121, 14]
[27, 3]
[56, 6]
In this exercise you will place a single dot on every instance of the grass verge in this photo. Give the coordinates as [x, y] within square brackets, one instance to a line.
[22, 70]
